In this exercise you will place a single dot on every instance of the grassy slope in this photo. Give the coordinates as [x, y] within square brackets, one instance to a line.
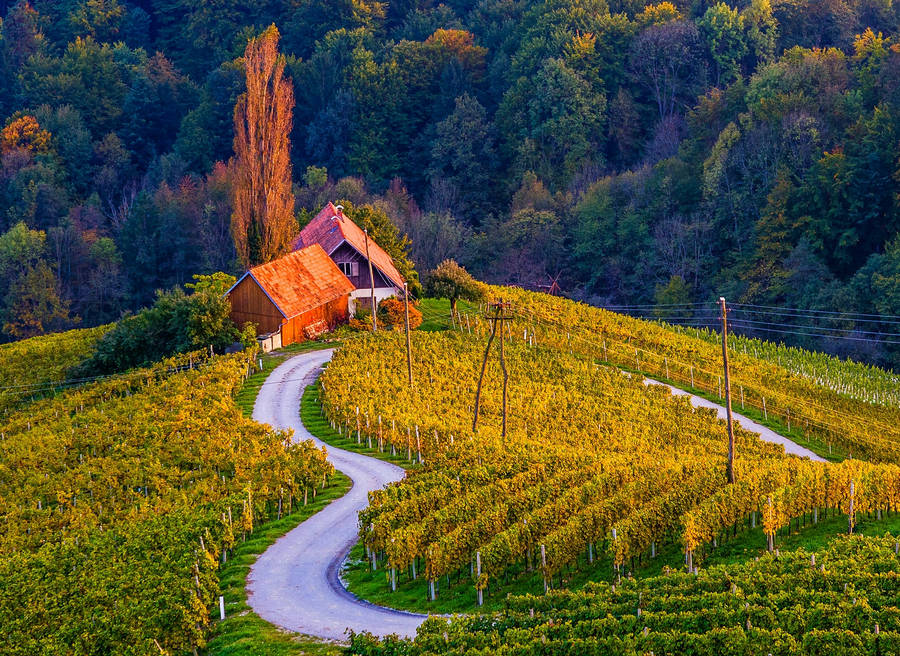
[311, 415]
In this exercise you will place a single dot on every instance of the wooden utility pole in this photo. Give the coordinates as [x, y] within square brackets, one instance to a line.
[496, 319]
[371, 282]
[408, 347]
[730, 469]
[505, 375]
[483, 367]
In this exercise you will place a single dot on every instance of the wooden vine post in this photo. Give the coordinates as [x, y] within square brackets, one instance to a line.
[480, 592]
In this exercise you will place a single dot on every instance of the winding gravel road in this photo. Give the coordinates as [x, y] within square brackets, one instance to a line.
[766, 434]
[294, 584]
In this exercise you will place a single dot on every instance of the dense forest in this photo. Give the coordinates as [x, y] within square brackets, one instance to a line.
[648, 155]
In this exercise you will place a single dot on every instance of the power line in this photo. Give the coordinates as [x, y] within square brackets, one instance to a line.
[748, 324]
[804, 315]
[827, 411]
[804, 326]
[789, 309]
[751, 326]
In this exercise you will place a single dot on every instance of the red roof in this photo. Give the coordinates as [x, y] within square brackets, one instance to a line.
[331, 227]
[301, 281]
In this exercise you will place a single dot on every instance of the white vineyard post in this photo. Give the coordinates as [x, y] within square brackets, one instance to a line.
[478, 580]
[850, 514]
[393, 574]
[544, 566]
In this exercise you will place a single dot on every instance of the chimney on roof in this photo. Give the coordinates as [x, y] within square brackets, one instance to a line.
[340, 211]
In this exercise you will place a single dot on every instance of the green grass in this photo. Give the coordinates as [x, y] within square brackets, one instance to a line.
[243, 632]
[436, 313]
[317, 424]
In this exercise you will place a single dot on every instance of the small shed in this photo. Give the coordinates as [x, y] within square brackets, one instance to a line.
[294, 298]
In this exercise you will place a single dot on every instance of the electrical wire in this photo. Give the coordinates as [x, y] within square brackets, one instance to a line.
[840, 317]
[789, 309]
[808, 404]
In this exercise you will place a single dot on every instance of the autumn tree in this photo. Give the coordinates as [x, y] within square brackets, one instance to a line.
[25, 133]
[451, 281]
[392, 314]
[30, 302]
[263, 223]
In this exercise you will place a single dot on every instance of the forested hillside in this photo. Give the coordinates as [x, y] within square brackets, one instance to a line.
[651, 154]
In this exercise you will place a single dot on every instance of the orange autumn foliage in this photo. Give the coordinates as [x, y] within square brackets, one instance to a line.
[26, 134]
[263, 223]
[391, 314]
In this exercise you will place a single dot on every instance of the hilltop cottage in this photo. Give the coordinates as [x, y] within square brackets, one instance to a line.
[345, 243]
[296, 297]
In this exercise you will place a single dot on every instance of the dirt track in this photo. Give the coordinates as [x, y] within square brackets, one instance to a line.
[294, 583]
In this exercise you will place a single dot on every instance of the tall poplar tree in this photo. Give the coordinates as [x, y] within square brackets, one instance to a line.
[263, 222]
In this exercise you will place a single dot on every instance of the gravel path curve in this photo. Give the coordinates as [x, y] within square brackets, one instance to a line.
[765, 433]
[294, 584]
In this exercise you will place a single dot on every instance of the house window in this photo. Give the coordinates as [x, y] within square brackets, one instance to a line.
[349, 269]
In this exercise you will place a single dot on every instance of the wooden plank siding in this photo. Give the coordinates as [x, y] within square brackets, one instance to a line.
[330, 314]
[250, 303]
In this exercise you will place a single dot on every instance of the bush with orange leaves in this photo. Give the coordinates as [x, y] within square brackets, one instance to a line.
[391, 314]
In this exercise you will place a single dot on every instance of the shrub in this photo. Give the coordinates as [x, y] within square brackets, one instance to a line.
[177, 322]
[391, 314]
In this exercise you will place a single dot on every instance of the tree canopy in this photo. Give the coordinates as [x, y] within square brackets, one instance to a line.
[609, 144]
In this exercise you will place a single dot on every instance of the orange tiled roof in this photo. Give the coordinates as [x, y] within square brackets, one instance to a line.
[301, 281]
[330, 228]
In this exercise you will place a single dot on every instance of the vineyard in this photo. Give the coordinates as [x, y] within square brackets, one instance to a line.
[596, 467]
[854, 379]
[841, 600]
[817, 395]
[35, 367]
[120, 498]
